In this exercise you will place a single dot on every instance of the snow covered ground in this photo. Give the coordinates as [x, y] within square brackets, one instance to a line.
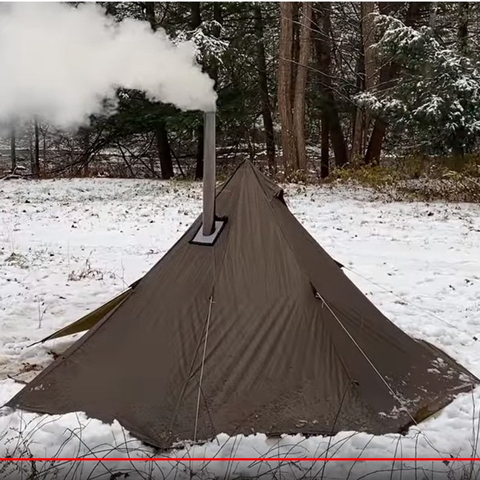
[67, 246]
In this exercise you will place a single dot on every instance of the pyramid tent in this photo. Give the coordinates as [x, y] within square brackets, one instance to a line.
[260, 332]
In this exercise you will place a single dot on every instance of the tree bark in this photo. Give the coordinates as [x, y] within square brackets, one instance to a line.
[164, 153]
[285, 74]
[13, 149]
[323, 49]
[301, 86]
[263, 85]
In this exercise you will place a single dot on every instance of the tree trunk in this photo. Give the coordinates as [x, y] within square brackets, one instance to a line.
[325, 160]
[164, 153]
[388, 75]
[13, 149]
[368, 40]
[301, 86]
[323, 49]
[285, 74]
[86, 151]
[150, 15]
[263, 85]
[462, 28]
[432, 22]
[195, 22]
[366, 76]
[375, 144]
[161, 135]
[195, 15]
[211, 68]
[36, 154]
[359, 120]
[44, 150]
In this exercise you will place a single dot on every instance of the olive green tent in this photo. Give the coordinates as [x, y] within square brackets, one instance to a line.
[90, 319]
[258, 331]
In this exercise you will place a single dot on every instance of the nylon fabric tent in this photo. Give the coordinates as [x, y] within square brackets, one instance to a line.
[90, 319]
[260, 332]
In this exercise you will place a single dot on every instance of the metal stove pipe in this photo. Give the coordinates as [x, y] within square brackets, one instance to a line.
[208, 227]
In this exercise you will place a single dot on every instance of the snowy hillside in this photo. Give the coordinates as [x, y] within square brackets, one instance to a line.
[67, 246]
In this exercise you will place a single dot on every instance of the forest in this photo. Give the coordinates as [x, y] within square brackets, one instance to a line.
[377, 91]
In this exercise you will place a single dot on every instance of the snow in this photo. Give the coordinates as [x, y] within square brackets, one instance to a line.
[67, 246]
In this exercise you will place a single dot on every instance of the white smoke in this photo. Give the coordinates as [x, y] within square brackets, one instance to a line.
[59, 63]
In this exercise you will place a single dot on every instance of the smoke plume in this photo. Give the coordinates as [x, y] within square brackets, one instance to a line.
[60, 62]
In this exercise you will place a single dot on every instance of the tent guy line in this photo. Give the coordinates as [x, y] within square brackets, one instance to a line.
[90, 319]
[202, 368]
[375, 369]
[403, 299]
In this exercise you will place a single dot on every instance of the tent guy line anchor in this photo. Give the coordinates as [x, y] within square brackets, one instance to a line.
[474, 337]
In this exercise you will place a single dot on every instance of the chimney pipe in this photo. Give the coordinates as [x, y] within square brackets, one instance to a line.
[208, 227]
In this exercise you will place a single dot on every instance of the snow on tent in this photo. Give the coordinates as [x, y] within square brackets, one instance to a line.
[257, 331]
